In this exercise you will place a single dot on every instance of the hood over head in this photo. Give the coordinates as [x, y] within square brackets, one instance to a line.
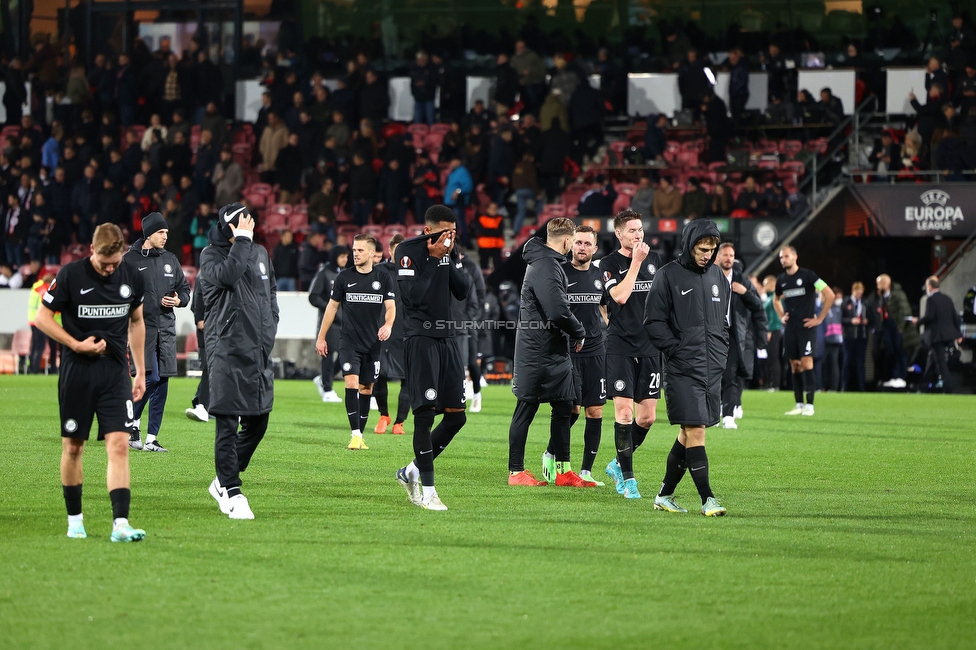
[693, 232]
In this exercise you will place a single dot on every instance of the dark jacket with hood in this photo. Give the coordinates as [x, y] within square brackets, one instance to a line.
[685, 317]
[320, 291]
[747, 328]
[241, 303]
[543, 369]
[163, 276]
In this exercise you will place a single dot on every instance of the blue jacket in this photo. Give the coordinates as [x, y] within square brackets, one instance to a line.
[50, 153]
[460, 178]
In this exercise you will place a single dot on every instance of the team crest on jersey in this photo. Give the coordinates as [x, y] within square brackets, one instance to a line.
[70, 426]
[651, 269]
[125, 291]
[430, 394]
[715, 290]
[167, 268]
[619, 384]
[598, 285]
[799, 282]
[347, 367]
[262, 268]
[376, 285]
[406, 262]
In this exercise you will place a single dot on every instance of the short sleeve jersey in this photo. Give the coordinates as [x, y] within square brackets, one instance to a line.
[95, 305]
[798, 293]
[363, 312]
[625, 335]
[585, 293]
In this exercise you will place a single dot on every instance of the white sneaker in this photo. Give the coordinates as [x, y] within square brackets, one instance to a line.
[317, 380]
[476, 403]
[468, 389]
[728, 422]
[899, 383]
[808, 409]
[373, 406]
[198, 413]
[331, 397]
[797, 411]
[737, 412]
[238, 508]
[220, 495]
[484, 382]
[433, 502]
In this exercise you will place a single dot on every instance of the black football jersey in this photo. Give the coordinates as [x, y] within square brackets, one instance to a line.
[798, 293]
[95, 305]
[585, 293]
[363, 312]
[625, 335]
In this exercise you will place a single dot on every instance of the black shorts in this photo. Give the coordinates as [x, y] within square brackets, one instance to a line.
[638, 378]
[590, 378]
[365, 365]
[391, 361]
[435, 372]
[799, 343]
[95, 386]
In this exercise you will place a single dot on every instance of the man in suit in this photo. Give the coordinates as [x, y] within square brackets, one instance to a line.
[942, 322]
[854, 318]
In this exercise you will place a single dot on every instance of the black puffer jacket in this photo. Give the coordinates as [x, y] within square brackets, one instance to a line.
[685, 317]
[543, 370]
[748, 326]
[163, 276]
[241, 304]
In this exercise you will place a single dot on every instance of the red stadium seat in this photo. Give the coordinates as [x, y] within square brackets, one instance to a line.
[790, 148]
[415, 230]
[441, 129]
[395, 229]
[373, 229]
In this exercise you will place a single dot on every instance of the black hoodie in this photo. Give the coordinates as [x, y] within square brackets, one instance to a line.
[686, 318]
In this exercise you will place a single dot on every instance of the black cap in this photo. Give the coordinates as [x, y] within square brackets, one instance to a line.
[153, 223]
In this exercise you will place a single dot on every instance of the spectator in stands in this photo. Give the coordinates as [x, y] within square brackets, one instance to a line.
[489, 229]
[285, 261]
[16, 223]
[780, 77]
[365, 141]
[643, 200]
[738, 84]
[930, 117]
[214, 122]
[501, 164]
[362, 189]
[565, 80]
[140, 202]
[457, 195]
[178, 125]
[808, 110]
[227, 178]
[207, 158]
[15, 94]
[199, 229]
[166, 190]
[531, 76]
[209, 89]
[529, 136]
[111, 206]
[779, 111]
[598, 200]
[267, 106]
[426, 184]
[155, 124]
[774, 200]
[393, 192]
[721, 201]
[586, 120]
[749, 198]
[525, 184]
[59, 197]
[655, 137]
[953, 156]
[52, 147]
[556, 147]
[553, 108]
[291, 115]
[965, 94]
[718, 126]
[423, 87]
[273, 140]
[911, 152]
[696, 202]
[953, 120]
[310, 258]
[831, 107]
[613, 82]
[934, 74]
[85, 203]
[796, 204]
[667, 199]
[321, 208]
[36, 232]
[693, 85]
[177, 157]
[478, 115]
[340, 132]
[288, 171]
[885, 155]
[506, 85]
[374, 98]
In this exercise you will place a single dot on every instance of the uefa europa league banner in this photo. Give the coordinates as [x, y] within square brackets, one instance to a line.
[911, 210]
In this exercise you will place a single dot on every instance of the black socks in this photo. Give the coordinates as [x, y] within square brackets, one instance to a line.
[444, 433]
[809, 384]
[352, 409]
[797, 387]
[403, 405]
[423, 421]
[638, 433]
[573, 419]
[120, 502]
[559, 428]
[72, 498]
[623, 438]
[697, 461]
[591, 442]
[363, 411]
[381, 391]
[674, 470]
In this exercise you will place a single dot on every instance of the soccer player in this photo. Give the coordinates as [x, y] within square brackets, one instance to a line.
[166, 289]
[430, 273]
[240, 299]
[543, 370]
[368, 299]
[686, 317]
[796, 304]
[100, 301]
[391, 360]
[633, 364]
[586, 300]
[747, 334]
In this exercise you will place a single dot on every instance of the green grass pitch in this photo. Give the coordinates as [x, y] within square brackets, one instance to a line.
[851, 529]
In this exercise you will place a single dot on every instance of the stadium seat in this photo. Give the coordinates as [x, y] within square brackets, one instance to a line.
[790, 148]
[395, 229]
[393, 129]
[349, 230]
[795, 166]
[415, 230]
[440, 129]
[258, 200]
[275, 219]
[688, 158]
[260, 188]
[818, 146]
[618, 149]
[622, 203]
[769, 164]
[373, 229]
